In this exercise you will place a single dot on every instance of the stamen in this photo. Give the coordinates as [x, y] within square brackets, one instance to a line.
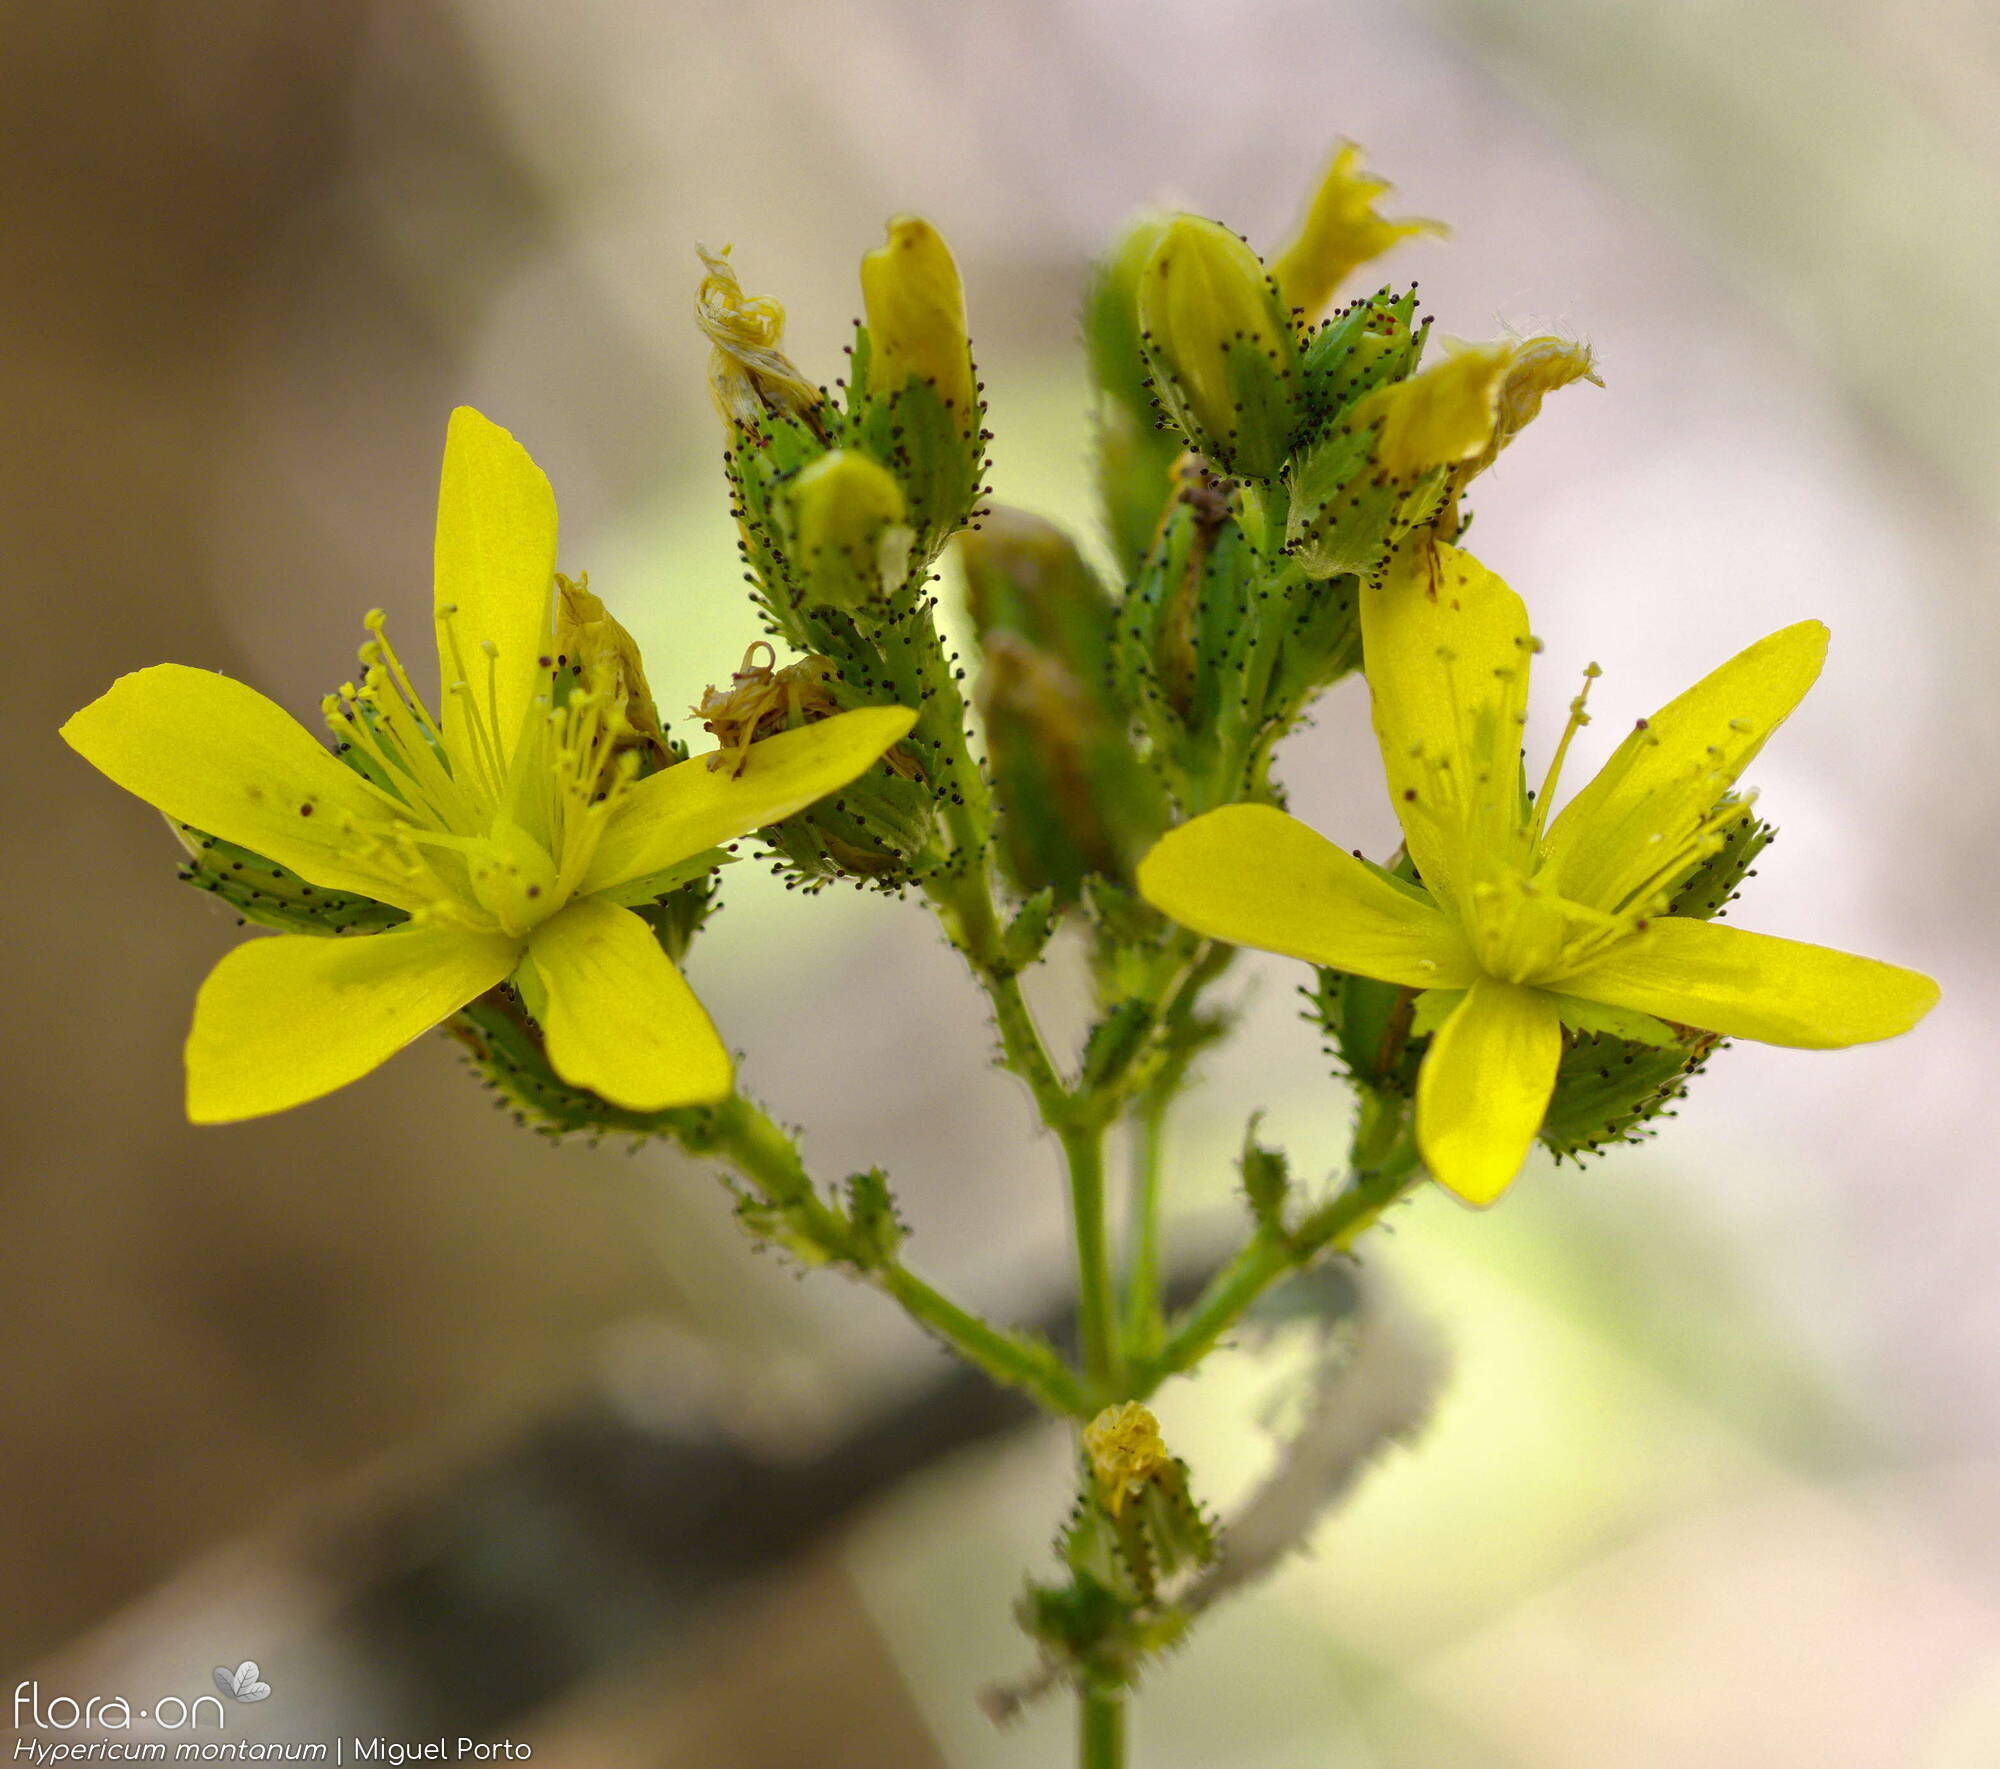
[1578, 718]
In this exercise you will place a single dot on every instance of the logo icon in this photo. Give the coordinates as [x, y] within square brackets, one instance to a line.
[243, 1683]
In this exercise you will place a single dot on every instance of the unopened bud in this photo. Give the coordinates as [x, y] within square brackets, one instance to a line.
[1135, 456]
[916, 316]
[850, 544]
[1220, 343]
[918, 409]
[1156, 1527]
[1025, 576]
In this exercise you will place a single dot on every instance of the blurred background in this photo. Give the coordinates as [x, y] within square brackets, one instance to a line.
[455, 1432]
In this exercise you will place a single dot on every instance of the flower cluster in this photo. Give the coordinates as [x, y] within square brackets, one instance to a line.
[527, 853]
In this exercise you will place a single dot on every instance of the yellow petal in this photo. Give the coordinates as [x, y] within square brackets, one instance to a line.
[1253, 876]
[214, 753]
[495, 576]
[1339, 234]
[1745, 985]
[1484, 1087]
[619, 1019]
[1446, 648]
[284, 1020]
[1674, 767]
[684, 809]
[1440, 415]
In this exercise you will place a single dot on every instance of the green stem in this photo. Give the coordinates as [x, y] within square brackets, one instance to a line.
[1100, 1729]
[1145, 1322]
[769, 1160]
[1096, 1295]
[1021, 1040]
[1269, 1254]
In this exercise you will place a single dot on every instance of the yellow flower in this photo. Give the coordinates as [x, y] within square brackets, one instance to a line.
[1339, 234]
[1526, 922]
[511, 826]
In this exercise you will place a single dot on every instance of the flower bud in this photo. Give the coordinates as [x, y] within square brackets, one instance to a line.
[1025, 576]
[850, 544]
[1075, 799]
[916, 316]
[1220, 343]
[1339, 234]
[917, 403]
[1135, 454]
[1141, 1492]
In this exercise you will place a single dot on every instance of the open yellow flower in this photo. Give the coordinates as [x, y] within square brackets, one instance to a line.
[511, 826]
[1525, 923]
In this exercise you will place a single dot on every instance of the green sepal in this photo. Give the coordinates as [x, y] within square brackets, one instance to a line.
[1028, 932]
[505, 1048]
[656, 885]
[1267, 1178]
[876, 1230]
[1600, 1019]
[1366, 345]
[1609, 1089]
[1707, 890]
[937, 454]
[873, 830]
[678, 915]
[272, 896]
[1348, 512]
[760, 465]
[1369, 1028]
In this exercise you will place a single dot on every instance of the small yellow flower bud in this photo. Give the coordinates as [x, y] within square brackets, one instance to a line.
[1221, 347]
[1339, 234]
[916, 318]
[1126, 1453]
[850, 539]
